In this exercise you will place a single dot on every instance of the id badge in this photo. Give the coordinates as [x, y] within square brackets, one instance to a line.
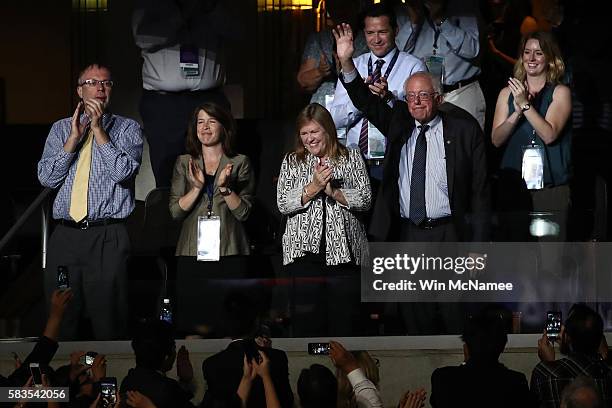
[209, 238]
[189, 61]
[435, 66]
[533, 167]
[376, 142]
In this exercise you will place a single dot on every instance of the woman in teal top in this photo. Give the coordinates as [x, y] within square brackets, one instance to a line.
[533, 112]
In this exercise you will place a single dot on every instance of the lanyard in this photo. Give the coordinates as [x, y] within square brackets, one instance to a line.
[210, 189]
[389, 68]
[437, 31]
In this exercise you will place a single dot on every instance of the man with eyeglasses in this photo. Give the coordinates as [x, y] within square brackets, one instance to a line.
[434, 186]
[92, 159]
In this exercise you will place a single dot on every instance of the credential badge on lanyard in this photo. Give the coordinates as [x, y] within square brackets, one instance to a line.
[209, 232]
[189, 61]
[435, 62]
[533, 165]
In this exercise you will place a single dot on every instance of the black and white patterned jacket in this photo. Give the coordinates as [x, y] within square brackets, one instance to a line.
[345, 235]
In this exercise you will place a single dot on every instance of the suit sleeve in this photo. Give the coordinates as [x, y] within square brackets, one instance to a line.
[375, 109]
[481, 194]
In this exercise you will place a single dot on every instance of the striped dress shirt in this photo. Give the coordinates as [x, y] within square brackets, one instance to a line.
[436, 185]
[113, 169]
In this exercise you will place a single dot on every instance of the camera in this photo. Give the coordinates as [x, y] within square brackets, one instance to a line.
[36, 374]
[108, 389]
[553, 325]
[318, 348]
[88, 358]
[62, 278]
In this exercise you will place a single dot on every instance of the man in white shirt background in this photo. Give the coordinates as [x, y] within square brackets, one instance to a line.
[394, 68]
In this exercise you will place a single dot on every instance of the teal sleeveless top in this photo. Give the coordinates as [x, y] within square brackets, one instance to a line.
[557, 155]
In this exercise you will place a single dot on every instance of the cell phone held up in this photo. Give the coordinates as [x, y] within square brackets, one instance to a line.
[553, 325]
[108, 391]
[63, 281]
[36, 374]
[318, 349]
[88, 359]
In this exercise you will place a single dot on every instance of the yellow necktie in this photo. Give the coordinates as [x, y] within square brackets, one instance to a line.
[80, 184]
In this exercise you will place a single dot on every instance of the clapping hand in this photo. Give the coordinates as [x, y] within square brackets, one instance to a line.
[322, 175]
[77, 128]
[519, 92]
[379, 88]
[195, 175]
[94, 108]
[225, 174]
[413, 399]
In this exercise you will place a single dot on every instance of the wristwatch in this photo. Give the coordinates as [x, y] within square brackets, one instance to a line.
[225, 192]
[525, 107]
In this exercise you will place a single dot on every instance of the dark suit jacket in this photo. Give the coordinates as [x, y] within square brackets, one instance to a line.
[474, 385]
[163, 391]
[466, 165]
[223, 372]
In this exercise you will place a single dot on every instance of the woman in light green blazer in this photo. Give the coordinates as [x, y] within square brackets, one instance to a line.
[209, 178]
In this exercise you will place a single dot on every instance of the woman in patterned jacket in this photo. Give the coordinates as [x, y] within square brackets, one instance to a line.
[322, 188]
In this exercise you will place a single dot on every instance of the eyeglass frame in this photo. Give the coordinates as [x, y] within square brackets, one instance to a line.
[422, 95]
[93, 83]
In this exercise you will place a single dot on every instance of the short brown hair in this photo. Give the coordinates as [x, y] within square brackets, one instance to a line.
[98, 65]
[317, 113]
[228, 129]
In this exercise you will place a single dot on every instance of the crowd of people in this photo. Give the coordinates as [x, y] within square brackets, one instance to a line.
[251, 373]
[392, 149]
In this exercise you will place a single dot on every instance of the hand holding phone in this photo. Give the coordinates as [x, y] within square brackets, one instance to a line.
[108, 391]
[88, 358]
[318, 349]
[36, 374]
[63, 281]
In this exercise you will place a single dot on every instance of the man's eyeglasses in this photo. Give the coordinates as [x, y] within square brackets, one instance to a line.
[423, 96]
[93, 83]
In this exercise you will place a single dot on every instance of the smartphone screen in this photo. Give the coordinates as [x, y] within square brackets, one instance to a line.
[62, 277]
[318, 348]
[88, 358]
[108, 389]
[36, 374]
[553, 324]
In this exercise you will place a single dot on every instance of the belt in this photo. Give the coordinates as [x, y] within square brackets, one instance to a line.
[85, 224]
[374, 162]
[429, 223]
[459, 84]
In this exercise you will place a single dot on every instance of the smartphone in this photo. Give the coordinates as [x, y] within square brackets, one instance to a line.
[553, 324]
[165, 313]
[108, 389]
[62, 277]
[36, 374]
[318, 348]
[88, 358]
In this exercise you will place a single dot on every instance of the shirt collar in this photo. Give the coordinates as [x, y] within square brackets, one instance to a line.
[432, 123]
[387, 57]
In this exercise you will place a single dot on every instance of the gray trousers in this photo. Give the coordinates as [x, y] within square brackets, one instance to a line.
[96, 259]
